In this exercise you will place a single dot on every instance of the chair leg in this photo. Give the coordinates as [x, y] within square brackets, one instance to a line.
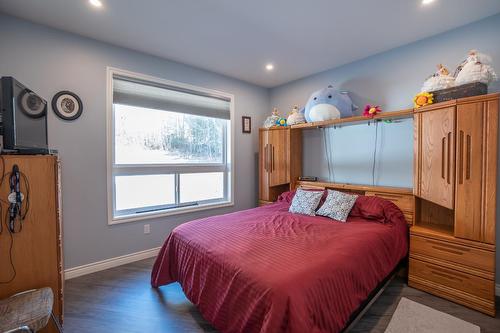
[56, 322]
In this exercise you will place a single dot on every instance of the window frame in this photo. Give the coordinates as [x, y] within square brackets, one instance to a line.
[227, 165]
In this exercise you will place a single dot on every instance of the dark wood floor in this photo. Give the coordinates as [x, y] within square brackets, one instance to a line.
[121, 300]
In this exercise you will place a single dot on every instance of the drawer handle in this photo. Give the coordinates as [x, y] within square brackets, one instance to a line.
[449, 246]
[443, 159]
[446, 276]
[384, 195]
[447, 250]
[461, 158]
[469, 153]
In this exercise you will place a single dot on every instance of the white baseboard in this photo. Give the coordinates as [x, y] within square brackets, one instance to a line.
[109, 263]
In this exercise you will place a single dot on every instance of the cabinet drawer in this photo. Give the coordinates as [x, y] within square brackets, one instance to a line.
[404, 202]
[460, 254]
[451, 278]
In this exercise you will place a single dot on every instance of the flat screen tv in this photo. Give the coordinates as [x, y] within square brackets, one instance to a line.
[23, 118]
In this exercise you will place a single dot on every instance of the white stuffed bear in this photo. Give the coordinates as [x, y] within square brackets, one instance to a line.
[439, 80]
[476, 68]
[296, 117]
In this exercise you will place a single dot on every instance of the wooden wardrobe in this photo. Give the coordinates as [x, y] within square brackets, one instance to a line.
[280, 161]
[37, 248]
[452, 242]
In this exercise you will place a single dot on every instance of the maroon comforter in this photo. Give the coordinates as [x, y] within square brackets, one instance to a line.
[267, 270]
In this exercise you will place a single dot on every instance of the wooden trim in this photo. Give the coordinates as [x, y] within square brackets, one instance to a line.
[352, 187]
[455, 102]
[408, 113]
[490, 171]
[59, 230]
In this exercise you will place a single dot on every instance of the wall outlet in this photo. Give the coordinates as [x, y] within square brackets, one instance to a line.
[147, 229]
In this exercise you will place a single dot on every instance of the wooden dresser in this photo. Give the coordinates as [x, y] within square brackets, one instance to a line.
[37, 248]
[280, 161]
[452, 242]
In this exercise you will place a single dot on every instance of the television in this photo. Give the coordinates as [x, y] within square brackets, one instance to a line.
[23, 119]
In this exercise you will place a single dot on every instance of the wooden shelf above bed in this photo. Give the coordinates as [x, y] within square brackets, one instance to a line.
[408, 113]
[354, 187]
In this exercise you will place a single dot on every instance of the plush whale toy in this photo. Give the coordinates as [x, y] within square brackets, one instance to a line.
[329, 103]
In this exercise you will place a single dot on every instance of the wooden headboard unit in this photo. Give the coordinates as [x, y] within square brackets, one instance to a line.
[402, 197]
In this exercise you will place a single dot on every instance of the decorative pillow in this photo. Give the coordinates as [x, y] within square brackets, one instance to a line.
[288, 195]
[337, 205]
[369, 207]
[377, 209]
[305, 202]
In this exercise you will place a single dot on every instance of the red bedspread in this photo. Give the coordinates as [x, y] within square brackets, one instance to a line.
[267, 270]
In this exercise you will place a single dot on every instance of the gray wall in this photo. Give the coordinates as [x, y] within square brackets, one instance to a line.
[48, 61]
[389, 79]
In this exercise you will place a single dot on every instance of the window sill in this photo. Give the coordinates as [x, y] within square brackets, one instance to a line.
[170, 212]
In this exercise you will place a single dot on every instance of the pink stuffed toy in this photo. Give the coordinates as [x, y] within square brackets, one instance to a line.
[371, 111]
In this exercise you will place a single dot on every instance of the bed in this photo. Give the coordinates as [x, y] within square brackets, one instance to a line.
[268, 270]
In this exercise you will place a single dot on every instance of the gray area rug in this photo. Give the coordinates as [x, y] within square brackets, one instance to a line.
[412, 317]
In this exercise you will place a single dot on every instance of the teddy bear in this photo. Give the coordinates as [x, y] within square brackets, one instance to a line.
[329, 103]
[296, 116]
[439, 80]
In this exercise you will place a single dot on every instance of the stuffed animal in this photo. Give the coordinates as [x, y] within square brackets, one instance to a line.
[296, 116]
[476, 68]
[371, 110]
[329, 103]
[272, 119]
[281, 122]
[439, 80]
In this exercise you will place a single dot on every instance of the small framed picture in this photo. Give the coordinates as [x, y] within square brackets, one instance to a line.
[67, 105]
[246, 124]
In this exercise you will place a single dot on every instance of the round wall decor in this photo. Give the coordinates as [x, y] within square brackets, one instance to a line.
[67, 105]
[32, 105]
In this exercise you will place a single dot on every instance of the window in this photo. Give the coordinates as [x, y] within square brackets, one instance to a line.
[169, 147]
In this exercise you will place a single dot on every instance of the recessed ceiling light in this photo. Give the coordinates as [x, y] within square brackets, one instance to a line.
[96, 3]
[426, 2]
[269, 67]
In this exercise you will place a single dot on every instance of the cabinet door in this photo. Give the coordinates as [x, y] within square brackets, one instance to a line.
[436, 167]
[469, 169]
[264, 169]
[477, 126]
[279, 157]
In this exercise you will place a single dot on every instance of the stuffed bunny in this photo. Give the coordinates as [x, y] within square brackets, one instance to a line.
[476, 68]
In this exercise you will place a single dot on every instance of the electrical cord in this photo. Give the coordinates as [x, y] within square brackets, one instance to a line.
[20, 213]
[329, 154]
[374, 153]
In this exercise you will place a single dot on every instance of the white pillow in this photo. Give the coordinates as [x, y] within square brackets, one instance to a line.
[337, 205]
[305, 202]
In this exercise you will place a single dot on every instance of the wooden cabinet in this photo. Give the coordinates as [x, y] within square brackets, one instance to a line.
[280, 161]
[277, 157]
[452, 245]
[436, 142]
[477, 125]
[37, 248]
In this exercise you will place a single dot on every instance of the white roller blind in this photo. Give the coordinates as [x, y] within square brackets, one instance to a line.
[152, 95]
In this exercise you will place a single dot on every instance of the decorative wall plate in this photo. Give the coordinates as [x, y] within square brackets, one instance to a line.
[32, 105]
[67, 105]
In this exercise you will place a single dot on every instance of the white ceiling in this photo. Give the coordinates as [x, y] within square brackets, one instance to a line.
[238, 37]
